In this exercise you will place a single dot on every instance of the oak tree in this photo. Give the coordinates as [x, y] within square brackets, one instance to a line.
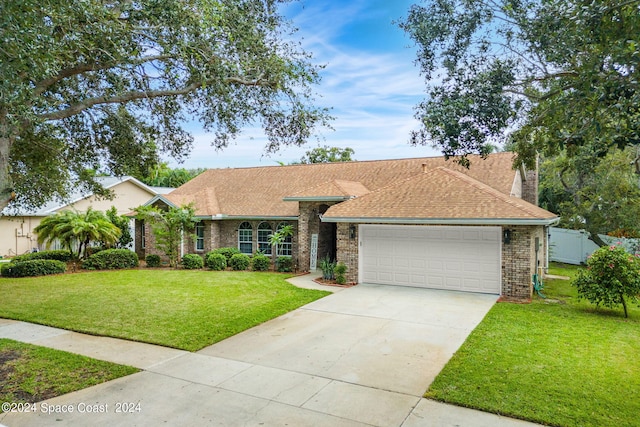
[598, 194]
[105, 85]
[548, 75]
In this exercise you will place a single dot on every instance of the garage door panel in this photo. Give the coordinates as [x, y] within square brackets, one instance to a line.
[420, 263]
[418, 280]
[457, 258]
[401, 262]
[471, 235]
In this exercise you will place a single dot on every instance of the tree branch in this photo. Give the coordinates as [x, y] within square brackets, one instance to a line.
[133, 96]
[125, 97]
[539, 98]
[83, 68]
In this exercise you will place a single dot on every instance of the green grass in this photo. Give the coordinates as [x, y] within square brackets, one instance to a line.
[557, 361]
[30, 373]
[175, 308]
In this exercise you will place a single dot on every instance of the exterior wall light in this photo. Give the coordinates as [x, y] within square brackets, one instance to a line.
[506, 236]
[352, 231]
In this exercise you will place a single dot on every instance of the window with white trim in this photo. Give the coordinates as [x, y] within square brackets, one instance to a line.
[264, 231]
[200, 236]
[245, 238]
[284, 248]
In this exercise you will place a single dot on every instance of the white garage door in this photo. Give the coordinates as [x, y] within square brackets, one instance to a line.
[454, 258]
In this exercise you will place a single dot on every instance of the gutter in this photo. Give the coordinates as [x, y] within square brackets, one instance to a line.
[445, 221]
[317, 199]
[219, 217]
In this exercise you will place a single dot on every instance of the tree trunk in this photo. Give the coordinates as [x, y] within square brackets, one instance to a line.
[624, 305]
[6, 189]
[595, 238]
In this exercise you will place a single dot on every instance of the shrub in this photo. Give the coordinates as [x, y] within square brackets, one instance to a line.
[340, 271]
[328, 268]
[34, 267]
[152, 260]
[58, 254]
[192, 262]
[227, 252]
[260, 262]
[612, 275]
[239, 262]
[284, 264]
[216, 261]
[111, 259]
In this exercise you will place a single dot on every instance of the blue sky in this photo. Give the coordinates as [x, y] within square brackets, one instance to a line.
[370, 82]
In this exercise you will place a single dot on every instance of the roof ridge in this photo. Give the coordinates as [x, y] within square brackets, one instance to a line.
[297, 165]
[490, 190]
[339, 183]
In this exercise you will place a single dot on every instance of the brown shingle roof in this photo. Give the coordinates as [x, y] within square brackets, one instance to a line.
[332, 189]
[260, 191]
[440, 193]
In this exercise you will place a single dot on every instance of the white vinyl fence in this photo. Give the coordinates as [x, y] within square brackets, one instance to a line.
[574, 246]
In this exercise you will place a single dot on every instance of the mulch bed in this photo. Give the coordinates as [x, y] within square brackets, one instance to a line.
[333, 283]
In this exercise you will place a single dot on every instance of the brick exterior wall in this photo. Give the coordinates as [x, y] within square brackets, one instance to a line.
[348, 250]
[150, 244]
[224, 234]
[137, 237]
[517, 265]
[309, 223]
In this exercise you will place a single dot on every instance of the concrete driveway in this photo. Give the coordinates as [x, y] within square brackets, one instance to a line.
[362, 356]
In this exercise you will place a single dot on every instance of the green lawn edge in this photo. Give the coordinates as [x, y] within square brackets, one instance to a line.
[188, 310]
[557, 361]
[31, 373]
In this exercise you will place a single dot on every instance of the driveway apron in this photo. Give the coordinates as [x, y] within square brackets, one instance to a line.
[362, 356]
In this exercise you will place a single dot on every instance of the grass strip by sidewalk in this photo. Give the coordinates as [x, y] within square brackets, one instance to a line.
[184, 309]
[558, 362]
[30, 373]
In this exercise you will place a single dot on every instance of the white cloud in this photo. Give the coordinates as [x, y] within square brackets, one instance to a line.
[372, 93]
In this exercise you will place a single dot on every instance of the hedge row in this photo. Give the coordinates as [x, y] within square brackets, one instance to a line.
[111, 259]
[58, 254]
[31, 268]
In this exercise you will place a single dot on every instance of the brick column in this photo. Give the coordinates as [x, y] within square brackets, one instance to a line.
[347, 249]
[518, 259]
[304, 236]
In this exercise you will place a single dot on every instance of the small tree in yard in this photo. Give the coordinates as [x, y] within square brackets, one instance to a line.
[122, 222]
[169, 227]
[279, 237]
[79, 229]
[612, 277]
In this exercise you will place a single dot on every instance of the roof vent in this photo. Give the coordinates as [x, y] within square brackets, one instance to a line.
[424, 168]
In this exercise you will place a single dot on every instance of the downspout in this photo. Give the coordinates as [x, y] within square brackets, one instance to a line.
[181, 243]
[538, 286]
[547, 231]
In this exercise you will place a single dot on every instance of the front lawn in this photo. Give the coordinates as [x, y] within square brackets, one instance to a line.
[556, 361]
[176, 308]
[30, 373]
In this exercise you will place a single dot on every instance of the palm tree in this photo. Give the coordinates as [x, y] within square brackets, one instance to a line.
[74, 227]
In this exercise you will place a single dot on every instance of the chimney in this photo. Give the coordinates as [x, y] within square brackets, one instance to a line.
[424, 168]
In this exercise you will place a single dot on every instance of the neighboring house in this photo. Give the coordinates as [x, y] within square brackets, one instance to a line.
[16, 227]
[417, 222]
